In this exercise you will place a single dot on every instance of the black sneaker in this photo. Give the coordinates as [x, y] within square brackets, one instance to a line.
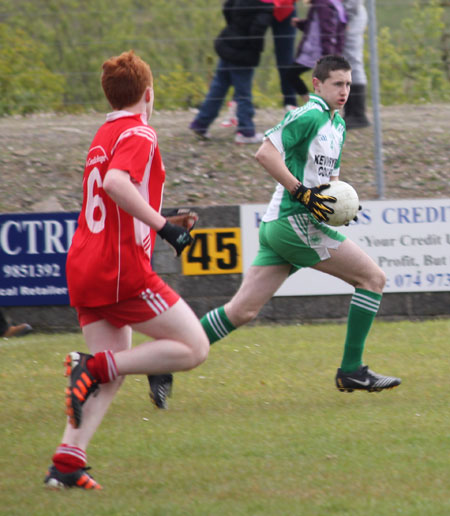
[81, 385]
[364, 379]
[79, 478]
[160, 388]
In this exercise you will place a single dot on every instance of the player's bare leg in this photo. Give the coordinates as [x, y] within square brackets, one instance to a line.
[180, 344]
[99, 336]
[161, 384]
[257, 288]
[353, 265]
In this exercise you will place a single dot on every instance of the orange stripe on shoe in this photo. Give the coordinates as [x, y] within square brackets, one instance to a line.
[78, 394]
[86, 379]
[68, 364]
[88, 482]
[82, 387]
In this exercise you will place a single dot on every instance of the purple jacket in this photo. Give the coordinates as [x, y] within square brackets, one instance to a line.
[323, 31]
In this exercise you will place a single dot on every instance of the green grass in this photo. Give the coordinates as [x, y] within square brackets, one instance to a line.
[259, 429]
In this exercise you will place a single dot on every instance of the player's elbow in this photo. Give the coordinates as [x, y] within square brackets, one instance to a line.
[113, 182]
[267, 153]
[260, 155]
[109, 184]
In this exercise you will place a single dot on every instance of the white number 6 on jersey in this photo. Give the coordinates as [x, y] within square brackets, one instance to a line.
[94, 201]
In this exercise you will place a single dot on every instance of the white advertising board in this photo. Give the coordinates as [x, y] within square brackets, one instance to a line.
[409, 239]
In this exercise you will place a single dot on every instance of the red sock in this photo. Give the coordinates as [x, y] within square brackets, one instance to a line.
[102, 366]
[69, 458]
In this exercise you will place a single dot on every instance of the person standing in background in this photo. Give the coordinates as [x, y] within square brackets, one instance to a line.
[355, 109]
[323, 33]
[239, 47]
[284, 44]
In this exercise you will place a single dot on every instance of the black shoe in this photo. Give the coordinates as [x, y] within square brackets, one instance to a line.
[160, 388]
[81, 385]
[79, 478]
[364, 379]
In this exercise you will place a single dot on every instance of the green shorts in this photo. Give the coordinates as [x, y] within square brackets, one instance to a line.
[296, 240]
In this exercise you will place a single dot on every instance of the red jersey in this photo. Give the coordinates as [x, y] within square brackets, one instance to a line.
[110, 256]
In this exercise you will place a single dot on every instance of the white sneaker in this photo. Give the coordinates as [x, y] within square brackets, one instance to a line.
[256, 138]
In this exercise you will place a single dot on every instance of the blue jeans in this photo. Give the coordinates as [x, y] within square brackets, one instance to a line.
[284, 42]
[227, 75]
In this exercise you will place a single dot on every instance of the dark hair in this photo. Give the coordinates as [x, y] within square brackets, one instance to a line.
[125, 78]
[330, 63]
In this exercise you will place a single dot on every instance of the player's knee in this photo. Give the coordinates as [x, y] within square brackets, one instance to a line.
[203, 350]
[376, 281]
[199, 351]
[380, 280]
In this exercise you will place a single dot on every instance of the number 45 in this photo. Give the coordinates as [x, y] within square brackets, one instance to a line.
[213, 251]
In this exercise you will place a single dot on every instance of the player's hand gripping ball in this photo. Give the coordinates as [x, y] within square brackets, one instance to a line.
[346, 206]
[314, 200]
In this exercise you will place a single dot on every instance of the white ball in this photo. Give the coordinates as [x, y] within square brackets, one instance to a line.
[346, 206]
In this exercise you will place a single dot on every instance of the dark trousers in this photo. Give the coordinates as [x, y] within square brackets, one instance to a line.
[296, 81]
[241, 79]
[284, 35]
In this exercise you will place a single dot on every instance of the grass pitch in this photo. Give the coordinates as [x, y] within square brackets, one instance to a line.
[259, 429]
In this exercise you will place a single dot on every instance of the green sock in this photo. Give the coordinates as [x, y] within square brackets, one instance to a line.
[216, 324]
[363, 309]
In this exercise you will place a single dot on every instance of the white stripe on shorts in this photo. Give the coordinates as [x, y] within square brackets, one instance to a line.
[154, 301]
[312, 235]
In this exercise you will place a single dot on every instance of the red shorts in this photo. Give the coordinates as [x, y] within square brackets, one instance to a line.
[148, 304]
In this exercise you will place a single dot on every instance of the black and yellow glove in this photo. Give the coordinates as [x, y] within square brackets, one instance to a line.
[313, 199]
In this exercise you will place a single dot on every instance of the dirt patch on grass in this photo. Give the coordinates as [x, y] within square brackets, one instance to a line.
[42, 159]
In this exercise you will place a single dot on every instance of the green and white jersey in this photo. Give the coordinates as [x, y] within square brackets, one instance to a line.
[310, 142]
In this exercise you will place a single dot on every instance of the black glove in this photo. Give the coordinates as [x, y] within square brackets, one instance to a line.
[313, 200]
[176, 236]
